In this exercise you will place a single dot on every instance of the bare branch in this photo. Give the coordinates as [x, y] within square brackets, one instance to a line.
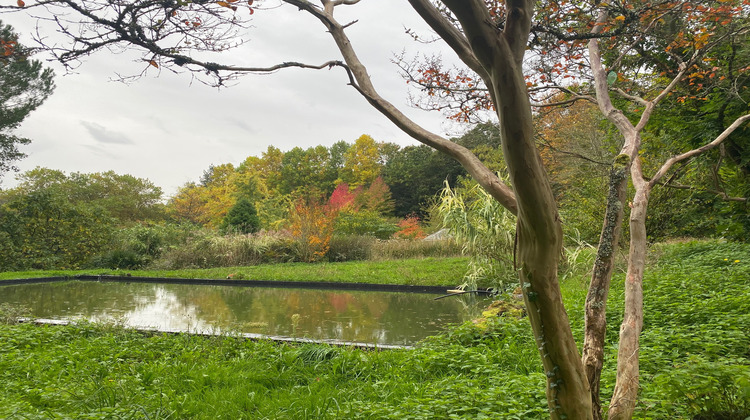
[721, 194]
[360, 79]
[602, 90]
[572, 100]
[346, 2]
[633, 98]
[687, 155]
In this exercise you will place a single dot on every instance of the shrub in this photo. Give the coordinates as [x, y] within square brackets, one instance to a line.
[395, 249]
[363, 222]
[207, 249]
[312, 226]
[484, 229]
[350, 248]
[45, 230]
[139, 245]
[409, 228]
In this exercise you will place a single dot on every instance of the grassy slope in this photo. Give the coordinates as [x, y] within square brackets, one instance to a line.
[427, 271]
[694, 359]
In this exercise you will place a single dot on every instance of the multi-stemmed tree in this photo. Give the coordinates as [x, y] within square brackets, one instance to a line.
[510, 50]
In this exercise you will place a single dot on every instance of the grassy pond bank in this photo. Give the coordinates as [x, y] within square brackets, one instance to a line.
[695, 355]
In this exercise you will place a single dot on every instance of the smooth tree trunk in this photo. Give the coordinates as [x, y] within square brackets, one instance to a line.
[539, 235]
[625, 394]
[498, 57]
[595, 330]
[596, 300]
[539, 230]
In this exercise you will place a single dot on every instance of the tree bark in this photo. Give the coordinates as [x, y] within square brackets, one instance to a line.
[625, 394]
[500, 55]
[595, 329]
[596, 300]
[539, 245]
[539, 230]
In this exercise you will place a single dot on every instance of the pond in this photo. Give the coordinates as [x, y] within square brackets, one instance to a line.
[373, 317]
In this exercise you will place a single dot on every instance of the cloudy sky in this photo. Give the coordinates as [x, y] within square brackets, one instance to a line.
[169, 128]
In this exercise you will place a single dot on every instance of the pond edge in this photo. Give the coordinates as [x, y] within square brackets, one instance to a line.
[246, 336]
[241, 283]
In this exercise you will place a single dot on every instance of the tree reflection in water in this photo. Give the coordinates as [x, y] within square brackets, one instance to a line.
[357, 316]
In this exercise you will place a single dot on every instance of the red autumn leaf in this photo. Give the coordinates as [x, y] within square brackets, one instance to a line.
[20, 3]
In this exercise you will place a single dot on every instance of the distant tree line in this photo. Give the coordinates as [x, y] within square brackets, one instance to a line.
[370, 188]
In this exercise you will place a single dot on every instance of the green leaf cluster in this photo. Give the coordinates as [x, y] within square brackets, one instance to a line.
[54, 220]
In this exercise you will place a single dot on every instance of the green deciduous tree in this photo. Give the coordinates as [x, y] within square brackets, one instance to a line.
[497, 42]
[52, 220]
[124, 197]
[45, 230]
[417, 174]
[306, 171]
[24, 85]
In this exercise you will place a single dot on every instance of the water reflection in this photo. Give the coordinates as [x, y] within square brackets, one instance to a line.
[369, 317]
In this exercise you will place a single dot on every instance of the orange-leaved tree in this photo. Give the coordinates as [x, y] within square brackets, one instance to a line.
[311, 223]
[641, 52]
[491, 39]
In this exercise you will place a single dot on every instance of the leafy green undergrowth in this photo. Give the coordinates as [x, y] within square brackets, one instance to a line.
[695, 355]
[421, 271]
[93, 371]
[695, 362]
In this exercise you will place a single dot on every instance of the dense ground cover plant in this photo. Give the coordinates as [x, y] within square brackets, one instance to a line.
[695, 362]
[697, 334]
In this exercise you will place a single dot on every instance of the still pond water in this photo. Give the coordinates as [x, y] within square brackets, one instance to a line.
[394, 318]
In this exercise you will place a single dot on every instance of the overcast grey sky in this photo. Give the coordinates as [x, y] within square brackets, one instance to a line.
[167, 129]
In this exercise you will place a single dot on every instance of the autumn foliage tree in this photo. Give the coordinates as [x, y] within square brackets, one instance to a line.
[311, 223]
[640, 52]
[597, 45]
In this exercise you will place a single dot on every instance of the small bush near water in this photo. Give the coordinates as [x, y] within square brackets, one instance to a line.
[211, 250]
[695, 362]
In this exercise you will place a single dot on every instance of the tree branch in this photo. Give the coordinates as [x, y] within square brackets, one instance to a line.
[485, 177]
[687, 155]
[450, 34]
[721, 194]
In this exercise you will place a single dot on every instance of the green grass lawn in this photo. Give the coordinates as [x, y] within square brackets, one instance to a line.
[420, 272]
[695, 362]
